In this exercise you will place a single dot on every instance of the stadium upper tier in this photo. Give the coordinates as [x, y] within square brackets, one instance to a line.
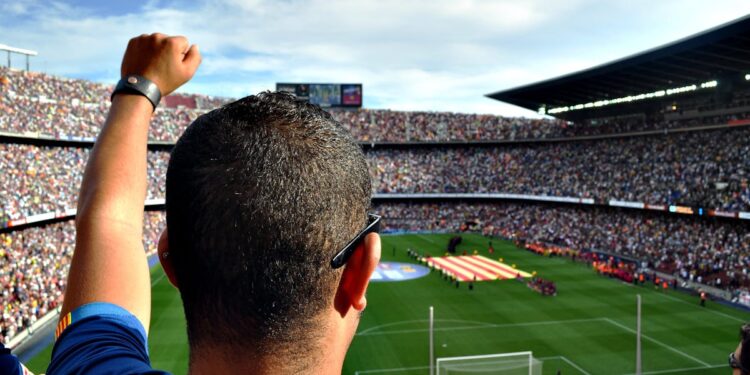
[36, 103]
[688, 169]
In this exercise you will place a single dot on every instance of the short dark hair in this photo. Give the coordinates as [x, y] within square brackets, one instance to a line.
[261, 194]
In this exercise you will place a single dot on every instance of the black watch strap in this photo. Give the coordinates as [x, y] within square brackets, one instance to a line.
[139, 85]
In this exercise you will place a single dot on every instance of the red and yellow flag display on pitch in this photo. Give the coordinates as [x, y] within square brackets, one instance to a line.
[467, 267]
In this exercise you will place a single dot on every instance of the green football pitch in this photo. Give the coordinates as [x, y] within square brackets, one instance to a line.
[588, 328]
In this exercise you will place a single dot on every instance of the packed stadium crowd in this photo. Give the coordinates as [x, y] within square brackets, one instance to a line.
[706, 168]
[36, 102]
[36, 180]
[34, 84]
[34, 265]
[404, 126]
[39, 103]
[60, 119]
[711, 252]
[685, 168]
[35, 260]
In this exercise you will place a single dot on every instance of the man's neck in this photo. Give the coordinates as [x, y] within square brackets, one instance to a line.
[243, 364]
[323, 357]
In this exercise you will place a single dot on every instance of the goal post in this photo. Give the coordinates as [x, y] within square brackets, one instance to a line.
[519, 363]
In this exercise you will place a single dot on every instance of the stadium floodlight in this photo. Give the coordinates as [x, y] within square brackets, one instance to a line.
[519, 363]
[638, 97]
[20, 51]
[680, 90]
[747, 77]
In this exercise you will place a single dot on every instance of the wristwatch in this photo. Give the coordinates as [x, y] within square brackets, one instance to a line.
[138, 85]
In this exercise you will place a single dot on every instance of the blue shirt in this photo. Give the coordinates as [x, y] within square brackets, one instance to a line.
[9, 364]
[101, 338]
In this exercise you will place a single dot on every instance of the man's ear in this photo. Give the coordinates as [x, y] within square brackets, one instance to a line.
[356, 276]
[164, 259]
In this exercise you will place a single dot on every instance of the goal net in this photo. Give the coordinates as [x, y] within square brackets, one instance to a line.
[521, 363]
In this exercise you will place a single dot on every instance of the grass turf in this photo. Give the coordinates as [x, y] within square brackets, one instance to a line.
[588, 328]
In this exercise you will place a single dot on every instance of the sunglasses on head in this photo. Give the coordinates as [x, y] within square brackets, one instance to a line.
[341, 257]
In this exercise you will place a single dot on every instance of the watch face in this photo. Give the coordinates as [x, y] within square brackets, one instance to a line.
[135, 84]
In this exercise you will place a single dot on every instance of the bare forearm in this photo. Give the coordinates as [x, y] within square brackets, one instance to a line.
[109, 264]
[114, 184]
[110, 214]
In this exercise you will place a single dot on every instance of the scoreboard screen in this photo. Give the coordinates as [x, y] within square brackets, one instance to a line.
[302, 91]
[351, 95]
[326, 94]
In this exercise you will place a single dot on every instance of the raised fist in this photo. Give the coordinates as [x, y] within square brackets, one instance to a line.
[168, 61]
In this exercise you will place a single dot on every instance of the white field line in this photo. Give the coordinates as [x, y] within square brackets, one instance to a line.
[161, 316]
[584, 372]
[367, 331]
[541, 323]
[706, 365]
[158, 279]
[397, 369]
[683, 369]
[736, 319]
[573, 364]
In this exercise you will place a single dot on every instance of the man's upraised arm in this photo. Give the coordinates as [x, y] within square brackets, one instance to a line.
[109, 263]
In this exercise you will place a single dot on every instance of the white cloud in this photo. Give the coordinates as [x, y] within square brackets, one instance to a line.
[14, 8]
[421, 54]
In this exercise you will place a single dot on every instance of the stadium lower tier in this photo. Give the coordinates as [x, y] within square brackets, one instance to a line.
[34, 264]
[34, 261]
[686, 169]
[713, 252]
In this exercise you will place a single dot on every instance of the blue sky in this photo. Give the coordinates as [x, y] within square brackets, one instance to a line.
[441, 55]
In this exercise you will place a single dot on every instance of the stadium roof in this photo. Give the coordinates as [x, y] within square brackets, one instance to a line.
[723, 51]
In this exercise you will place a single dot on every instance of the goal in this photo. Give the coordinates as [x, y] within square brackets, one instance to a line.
[520, 363]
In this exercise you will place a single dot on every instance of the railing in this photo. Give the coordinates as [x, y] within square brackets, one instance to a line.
[77, 140]
[670, 209]
[49, 318]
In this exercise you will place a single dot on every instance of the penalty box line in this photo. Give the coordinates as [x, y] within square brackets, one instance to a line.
[568, 361]
[401, 369]
[483, 325]
[682, 370]
[655, 341]
[563, 358]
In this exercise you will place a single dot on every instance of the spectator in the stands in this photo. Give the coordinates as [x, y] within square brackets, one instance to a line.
[33, 265]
